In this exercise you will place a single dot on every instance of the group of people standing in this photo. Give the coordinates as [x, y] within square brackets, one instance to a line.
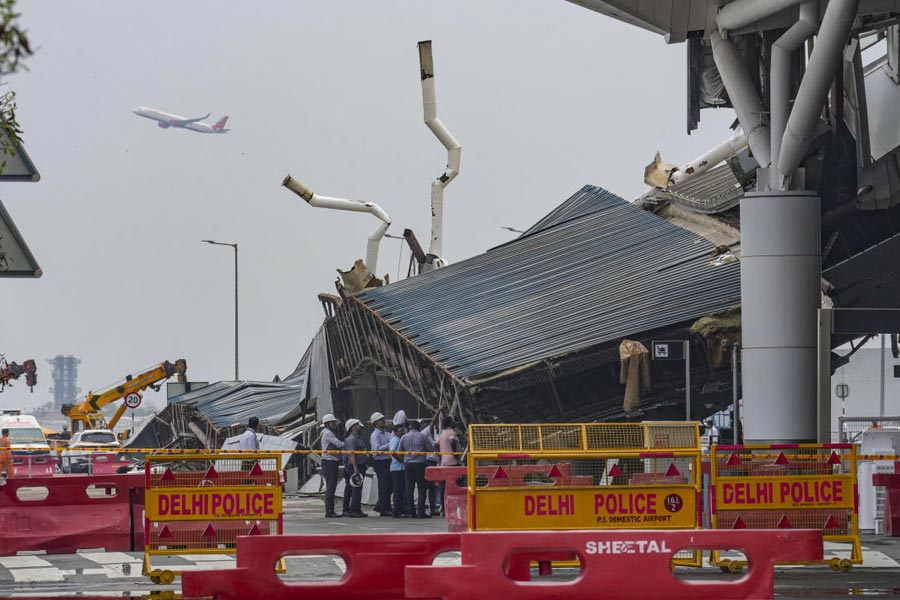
[400, 452]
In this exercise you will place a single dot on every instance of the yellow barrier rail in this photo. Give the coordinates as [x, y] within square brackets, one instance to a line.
[585, 476]
[584, 437]
[202, 505]
[783, 486]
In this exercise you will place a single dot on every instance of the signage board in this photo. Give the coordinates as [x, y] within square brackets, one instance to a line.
[668, 350]
[609, 507]
[220, 504]
[16, 259]
[735, 493]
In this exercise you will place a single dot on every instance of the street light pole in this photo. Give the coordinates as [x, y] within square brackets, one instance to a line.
[235, 246]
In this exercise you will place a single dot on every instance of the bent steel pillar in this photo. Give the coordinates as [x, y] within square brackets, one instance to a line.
[780, 292]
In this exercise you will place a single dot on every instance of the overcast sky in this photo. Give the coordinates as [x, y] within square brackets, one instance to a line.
[543, 95]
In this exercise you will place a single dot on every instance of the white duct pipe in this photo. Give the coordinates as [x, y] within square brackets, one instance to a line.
[711, 157]
[454, 150]
[744, 98]
[780, 77]
[740, 13]
[813, 92]
[318, 201]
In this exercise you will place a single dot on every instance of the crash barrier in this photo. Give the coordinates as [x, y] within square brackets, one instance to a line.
[374, 566]
[64, 513]
[785, 486]
[585, 476]
[34, 465]
[616, 564]
[455, 506]
[200, 504]
[621, 564]
[891, 483]
[96, 463]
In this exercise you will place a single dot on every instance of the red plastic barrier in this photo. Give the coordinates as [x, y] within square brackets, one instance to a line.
[37, 465]
[57, 515]
[620, 564]
[375, 566]
[891, 482]
[106, 464]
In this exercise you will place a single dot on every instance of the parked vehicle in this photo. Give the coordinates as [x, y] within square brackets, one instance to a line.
[30, 450]
[76, 458]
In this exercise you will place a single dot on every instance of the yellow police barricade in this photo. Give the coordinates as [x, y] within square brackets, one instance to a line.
[783, 486]
[586, 476]
[201, 503]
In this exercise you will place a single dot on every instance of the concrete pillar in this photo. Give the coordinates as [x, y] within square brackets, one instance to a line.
[780, 293]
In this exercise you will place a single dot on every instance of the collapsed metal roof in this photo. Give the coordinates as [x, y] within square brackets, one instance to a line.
[594, 270]
[234, 402]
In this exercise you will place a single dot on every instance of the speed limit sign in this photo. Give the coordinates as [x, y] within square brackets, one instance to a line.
[133, 400]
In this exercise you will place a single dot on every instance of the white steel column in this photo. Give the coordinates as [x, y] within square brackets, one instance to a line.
[780, 292]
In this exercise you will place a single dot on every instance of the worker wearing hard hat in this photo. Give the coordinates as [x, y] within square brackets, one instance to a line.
[380, 441]
[354, 468]
[400, 508]
[330, 461]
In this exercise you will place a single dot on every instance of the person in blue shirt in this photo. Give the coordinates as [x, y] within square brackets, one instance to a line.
[398, 475]
[416, 444]
[380, 441]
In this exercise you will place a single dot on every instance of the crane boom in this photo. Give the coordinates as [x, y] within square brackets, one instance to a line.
[88, 413]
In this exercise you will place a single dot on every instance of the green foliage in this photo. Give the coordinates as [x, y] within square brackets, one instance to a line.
[14, 48]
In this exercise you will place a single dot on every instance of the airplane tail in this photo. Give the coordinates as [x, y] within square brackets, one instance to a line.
[220, 124]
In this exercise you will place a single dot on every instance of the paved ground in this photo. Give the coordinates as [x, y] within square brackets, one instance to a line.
[115, 573]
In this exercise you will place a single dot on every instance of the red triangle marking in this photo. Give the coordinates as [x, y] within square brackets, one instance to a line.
[554, 472]
[673, 471]
[782, 459]
[165, 533]
[255, 530]
[168, 475]
[256, 471]
[208, 532]
[834, 459]
[615, 472]
[831, 523]
[211, 473]
[500, 474]
[783, 523]
[739, 524]
[733, 461]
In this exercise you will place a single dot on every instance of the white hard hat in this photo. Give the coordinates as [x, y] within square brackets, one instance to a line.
[376, 416]
[400, 417]
[328, 419]
[351, 422]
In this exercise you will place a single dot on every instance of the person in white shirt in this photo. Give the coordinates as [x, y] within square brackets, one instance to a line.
[248, 440]
[711, 435]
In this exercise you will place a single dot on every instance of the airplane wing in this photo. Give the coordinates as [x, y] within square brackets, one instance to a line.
[183, 122]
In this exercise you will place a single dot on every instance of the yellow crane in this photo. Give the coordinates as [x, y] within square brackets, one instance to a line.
[88, 414]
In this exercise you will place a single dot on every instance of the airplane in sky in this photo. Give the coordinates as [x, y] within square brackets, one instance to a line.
[166, 120]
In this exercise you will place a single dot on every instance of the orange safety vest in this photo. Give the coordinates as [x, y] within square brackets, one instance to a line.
[6, 462]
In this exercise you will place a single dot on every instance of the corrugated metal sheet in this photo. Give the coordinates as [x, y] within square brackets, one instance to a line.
[595, 270]
[234, 402]
[715, 191]
[588, 200]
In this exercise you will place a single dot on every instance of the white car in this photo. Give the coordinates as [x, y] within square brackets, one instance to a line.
[76, 456]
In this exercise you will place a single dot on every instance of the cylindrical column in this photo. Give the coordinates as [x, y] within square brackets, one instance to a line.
[780, 292]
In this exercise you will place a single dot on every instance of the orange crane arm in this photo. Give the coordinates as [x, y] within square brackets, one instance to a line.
[89, 411]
